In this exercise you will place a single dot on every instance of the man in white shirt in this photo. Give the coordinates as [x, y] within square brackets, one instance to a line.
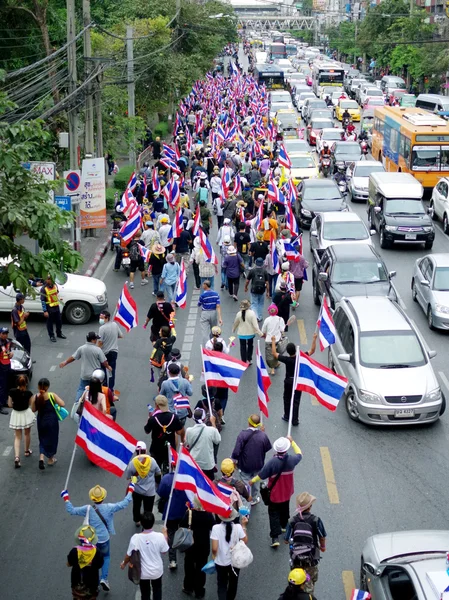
[149, 236]
[151, 546]
[200, 440]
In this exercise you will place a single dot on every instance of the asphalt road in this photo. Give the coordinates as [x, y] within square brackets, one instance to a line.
[366, 480]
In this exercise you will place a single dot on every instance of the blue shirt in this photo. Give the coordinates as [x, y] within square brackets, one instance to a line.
[170, 273]
[208, 300]
[179, 498]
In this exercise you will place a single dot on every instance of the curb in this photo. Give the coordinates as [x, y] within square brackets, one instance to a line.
[98, 256]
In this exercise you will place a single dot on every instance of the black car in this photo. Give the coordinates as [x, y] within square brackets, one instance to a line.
[21, 363]
[345, 152]
[401, 220]
[316, 196]
[350, 270]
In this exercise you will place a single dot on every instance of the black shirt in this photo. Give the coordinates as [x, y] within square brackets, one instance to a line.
[259, 249]
[89, 575]
[242, 240]
[202, 523]
[289, 362]
[20, 399]
[156, 262]
[155, 426]
[159, 314]
[183, 242]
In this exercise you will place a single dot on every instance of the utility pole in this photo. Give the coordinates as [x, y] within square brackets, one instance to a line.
[99, 117]
[131, 91]
[89, 109]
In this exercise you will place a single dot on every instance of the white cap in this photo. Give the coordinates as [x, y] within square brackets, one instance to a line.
[141, 446]
[281, 445]
[285, 266]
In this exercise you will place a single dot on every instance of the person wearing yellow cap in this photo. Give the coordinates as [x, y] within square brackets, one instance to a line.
[295, 589]
[86, 562]
[228, 481]
[101, 517]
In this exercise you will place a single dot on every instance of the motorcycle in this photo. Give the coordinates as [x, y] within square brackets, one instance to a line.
[364, 148]
[325, 166]
[345, 122]
[126, 260]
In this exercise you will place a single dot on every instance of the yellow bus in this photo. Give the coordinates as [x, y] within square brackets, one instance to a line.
[411, 140]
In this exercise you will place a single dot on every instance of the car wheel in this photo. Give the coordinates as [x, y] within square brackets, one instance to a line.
[428, 245]
[443, 405]
[351, 405]
[432, 213]
[316, 294]
[445, 224]
[414, 291]
[430, 318]
[78, 313]
[384, 243]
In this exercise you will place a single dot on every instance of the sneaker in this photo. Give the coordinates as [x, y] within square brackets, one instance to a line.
[153, 293]
[131, 285]
[296, 423]
[255, 501]
[116, 270]
[105, 585]
[188, 592]
[62, 336]
[172, 564]
[223, 422]
[274, 543]
[284, 418]
[137, 524]
[53, 339]
[144, 282]
[250, 362]
[235, 298]
[222, 287]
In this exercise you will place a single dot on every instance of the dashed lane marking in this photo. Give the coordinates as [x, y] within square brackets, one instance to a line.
[60, 355]
[52, 368]
[348, 583]
[108, 267]
[302, 332]
[329, 475]
[7, 451]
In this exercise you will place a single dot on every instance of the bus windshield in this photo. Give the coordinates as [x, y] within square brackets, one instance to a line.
[328, 77]
[430, 158]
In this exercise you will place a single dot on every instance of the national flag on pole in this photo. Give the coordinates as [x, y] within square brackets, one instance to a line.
[168, 151]
[178, 223]
[360, 595]
[259, 217]
[105, 443]
[173, 455]
[126, 313]
[189, 142]
[284, 159]
[127, 202]
[156, 184]
[291, 253]
[181, 289]
[274, 193]
[132, 181]
[290, 219]
[190, 478]
[144, 253]
[225, 182]
[196, 222]
[221, 370]
[263, 383]
[206, 247]
[175, 193]
[319, 381]
[274, 256]
[181, 402]
[170, 164]
[237, 185]
[326, 326]
[129, 229]
[224, 488]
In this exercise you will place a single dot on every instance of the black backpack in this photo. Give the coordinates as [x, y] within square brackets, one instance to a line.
[258, 283]
[134, 251]
[302, 543]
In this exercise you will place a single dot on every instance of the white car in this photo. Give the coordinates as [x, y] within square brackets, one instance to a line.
[329, 135]
[439, 203]
[370, 92]
[357, 176]
[331, 228]
[301, 98]
[80, 296]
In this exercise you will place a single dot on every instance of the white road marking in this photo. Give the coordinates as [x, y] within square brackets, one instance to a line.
[53, 368]
[107, 268]
[60, 355]
[7, 451]
[445, 380]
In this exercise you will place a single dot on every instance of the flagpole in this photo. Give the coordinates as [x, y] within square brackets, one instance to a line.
[261, 413]
[173, 484]
[70, 467]
[289, 431]
[205, 382]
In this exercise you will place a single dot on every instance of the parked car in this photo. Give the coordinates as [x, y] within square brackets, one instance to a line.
[357, 176]
[331, 228]
[401, 564]
[316, 196]
[430, 288]
[439, 203]
[386, 362]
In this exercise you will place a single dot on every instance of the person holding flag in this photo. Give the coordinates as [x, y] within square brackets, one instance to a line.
[200, 440]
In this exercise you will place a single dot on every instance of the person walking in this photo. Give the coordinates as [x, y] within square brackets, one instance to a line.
[216, 337]
[246, 327]
[290, 362]
[259, 248]
[272, 326]
[19, 323]
[297, 269]
[242, 242]
[181, 248]
[233, 265]
[165, 231]
[149, 236]
[5, 368]
[206, 270]
[160, 313]
[22, 417]
[100, 516]
[297, 579]
[137, 263]
[194, 261]
[224, 536]
[249, 452]
[209, 302]
[174, 385]
[169, 278]
[85, 561]
[109, 333]
[156, 263]
[47, 422]
[147, 475]
[200, 440]
[49, 294]
[227, 480]
[151, 545]
[226, 230]
[163, 425]
[282, 298]
[92, 357]
[279, 472]
[259, 280]
[195, 557]
[303, 515]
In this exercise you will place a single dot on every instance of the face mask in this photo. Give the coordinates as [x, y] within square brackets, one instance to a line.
[101, 321]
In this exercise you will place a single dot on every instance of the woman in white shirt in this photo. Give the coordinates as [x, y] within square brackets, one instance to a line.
[272, 326]
[246, 327]
[225, 536]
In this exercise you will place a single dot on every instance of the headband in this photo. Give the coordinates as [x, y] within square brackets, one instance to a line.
[251, 422]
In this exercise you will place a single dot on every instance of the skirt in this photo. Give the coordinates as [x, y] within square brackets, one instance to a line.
[21, 419]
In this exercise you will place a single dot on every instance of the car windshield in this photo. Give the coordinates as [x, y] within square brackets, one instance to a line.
[302, 162]
[441, 281]
[390, 350]
[404, 207]
[332, 135]
[322, 193]
[305, 95]
[348, 104]
[321, 124]
[375, 102]
[322, 113]
[364, 171]
[280, 105]
[288, 119]
[348, 148]
[359, 272]
[373, 92]
[296, 146]
[280, 97]
[345, 230]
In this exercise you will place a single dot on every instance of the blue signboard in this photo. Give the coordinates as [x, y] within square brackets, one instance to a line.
[64, 202]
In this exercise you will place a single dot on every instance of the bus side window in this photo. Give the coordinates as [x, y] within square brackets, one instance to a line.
[404, 148]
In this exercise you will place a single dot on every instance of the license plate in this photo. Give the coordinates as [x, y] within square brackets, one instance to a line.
[115, 241]
[404, 413]
[126, 261]
[410, 236]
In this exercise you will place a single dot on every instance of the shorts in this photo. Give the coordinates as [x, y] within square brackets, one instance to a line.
[136, 264]
[298, 283]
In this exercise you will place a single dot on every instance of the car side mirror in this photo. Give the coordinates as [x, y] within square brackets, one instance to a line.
[432, 353]
[392, 274]
[323, 276]
[425, 283]
[377, 209]
[314, 233]
[373, 232]
[430, 211]
[344, 357]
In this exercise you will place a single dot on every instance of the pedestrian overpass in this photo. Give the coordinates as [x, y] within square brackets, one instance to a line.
[278, 22]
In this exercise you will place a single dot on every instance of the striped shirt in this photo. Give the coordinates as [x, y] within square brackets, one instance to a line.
[208, 300]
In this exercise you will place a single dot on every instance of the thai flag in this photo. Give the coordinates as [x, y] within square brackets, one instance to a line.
[155, 183]
[221, 370]
[274, 256]
[224, 488]
[173, 455]
[274, 193]
[206, 247]
[326, 326]
[272, 131]
[257, 149]
[168, 151]
[360, 595]
[144, 253]
[170, 164]
[290, 219]
[209, 76]
[178, 223]
[181, 289]
[297, 243]
[132, 225]
[237, 185]
[105, 443]
[189, 141]
[290, 252]
[319, 381]
[132, 181]
[225, 182]
[199, 125]
[174, 193]
[263, 383]
[221, 133]
[177, 125]
[240, 137]
[190, 478]
[231, 133]
[126, 313]
[181, 402]
[291, 191]
[284, 159]
[196, 222]
[127, 202]
[259, 217]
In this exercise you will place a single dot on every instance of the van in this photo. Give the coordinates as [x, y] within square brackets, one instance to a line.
[396, 211]
[396, 83]
[433, 102]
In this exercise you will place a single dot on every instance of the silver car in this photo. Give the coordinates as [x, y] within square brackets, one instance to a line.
[328, 229]
[357, 176]
[430, 288]
[405, 565]
[386, 362]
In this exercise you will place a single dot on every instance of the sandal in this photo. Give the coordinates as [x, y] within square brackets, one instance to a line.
[17, 464]
[28, 452]
[41, 465]
[53, 462]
